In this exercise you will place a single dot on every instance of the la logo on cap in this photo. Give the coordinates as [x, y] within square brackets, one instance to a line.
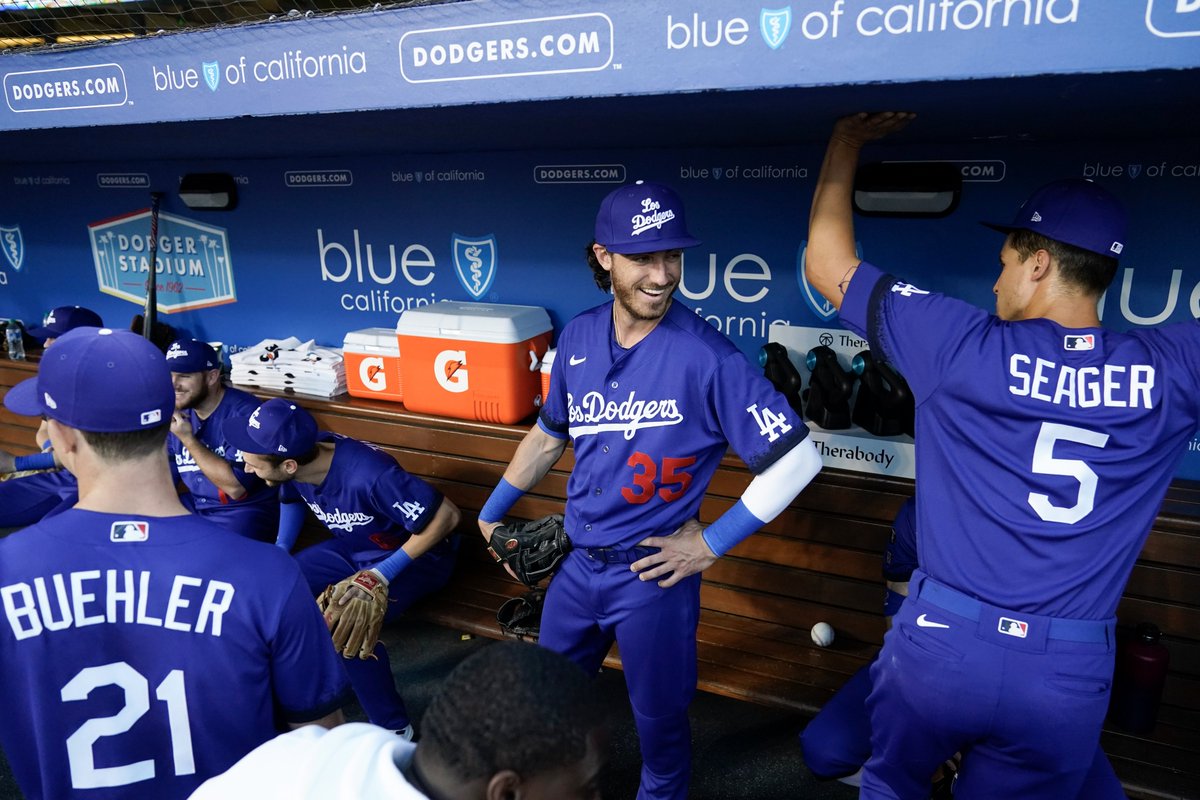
[175, 351]
[49, 400]
[254, 419]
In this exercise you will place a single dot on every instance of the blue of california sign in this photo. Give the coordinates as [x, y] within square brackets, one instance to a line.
[192, 263]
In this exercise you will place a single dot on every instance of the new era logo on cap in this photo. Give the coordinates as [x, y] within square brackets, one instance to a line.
[1075, 211]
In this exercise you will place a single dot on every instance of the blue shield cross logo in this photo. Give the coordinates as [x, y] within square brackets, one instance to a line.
[775, 25]
[13, 246]
[475, 263]
[212, 74]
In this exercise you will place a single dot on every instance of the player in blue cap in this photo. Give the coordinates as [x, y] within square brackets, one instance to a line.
[26, 499]
[652, 397]
[142, 650]
[385, 522]
[1045, 446]
[218, 486]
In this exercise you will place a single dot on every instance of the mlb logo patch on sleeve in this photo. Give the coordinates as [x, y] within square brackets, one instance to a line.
[129, 531]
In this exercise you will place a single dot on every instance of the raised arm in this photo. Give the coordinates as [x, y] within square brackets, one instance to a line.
[830, 258]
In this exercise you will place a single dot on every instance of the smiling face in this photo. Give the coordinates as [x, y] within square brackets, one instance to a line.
[191, 389]
[272, 473]
[643, 283]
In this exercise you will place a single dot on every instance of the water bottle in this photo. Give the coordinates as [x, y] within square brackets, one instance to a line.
[14, 335]
[1138, 680]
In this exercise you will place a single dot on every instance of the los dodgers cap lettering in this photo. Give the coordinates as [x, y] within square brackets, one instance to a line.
[278, 427]
[98, 380]
[191, 355]
[1076, 211]
[65, 318]
[642, 217]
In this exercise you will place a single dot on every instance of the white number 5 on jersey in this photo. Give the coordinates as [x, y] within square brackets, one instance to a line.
[1044, 463]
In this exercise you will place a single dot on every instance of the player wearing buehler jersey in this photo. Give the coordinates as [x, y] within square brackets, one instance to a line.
[142, 650]
[651, 396]
[388, 527]
[218, 486]
[1045, 446]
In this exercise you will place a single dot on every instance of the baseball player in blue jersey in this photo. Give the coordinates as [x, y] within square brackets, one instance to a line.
[651, 396]
[142, 650]
[384, 521]
[1045, 445]
[218, 487]
[28, 498]
[837, 742]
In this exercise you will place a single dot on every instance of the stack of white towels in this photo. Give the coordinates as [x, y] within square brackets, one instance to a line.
[290, 365]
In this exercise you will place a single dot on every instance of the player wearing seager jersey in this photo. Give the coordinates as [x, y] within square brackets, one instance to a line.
[142, 649]
[218, 487]
[837, 742]
[1045, 446]
[652, 397]
[382, 519]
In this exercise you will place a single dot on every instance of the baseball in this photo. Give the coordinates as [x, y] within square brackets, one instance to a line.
[822, 634]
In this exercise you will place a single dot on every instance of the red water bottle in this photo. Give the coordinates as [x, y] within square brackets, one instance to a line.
[1141, 672]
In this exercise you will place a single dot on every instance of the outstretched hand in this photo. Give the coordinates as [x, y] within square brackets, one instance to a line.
[682, 553]
[858, 129]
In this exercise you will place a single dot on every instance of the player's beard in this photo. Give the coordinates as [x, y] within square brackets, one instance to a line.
[193, 400]
[639, 305]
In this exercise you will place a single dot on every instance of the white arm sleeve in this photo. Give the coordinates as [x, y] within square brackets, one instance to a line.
[771, 490]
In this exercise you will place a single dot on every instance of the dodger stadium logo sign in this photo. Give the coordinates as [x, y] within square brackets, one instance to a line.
[192, 263]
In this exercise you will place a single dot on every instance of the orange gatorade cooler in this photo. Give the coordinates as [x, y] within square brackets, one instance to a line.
[547, 365]
[473, 360]
[372, 361]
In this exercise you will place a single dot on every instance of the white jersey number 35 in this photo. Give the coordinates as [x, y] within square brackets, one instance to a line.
[84, 772]
[1045, 463]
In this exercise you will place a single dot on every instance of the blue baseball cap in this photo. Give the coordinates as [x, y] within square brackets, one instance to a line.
[191, 355]
[278, 427]
[98, 380]
[65, 318]
[1075, 211]
[642, 217]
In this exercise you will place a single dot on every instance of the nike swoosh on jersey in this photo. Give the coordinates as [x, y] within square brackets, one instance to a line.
[927, 623]
[577, 360]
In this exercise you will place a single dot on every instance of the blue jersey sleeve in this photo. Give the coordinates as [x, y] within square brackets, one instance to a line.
[308, 675]
[754, 417]
[405, 499]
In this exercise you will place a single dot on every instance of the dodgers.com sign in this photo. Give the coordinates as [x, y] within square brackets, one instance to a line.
[544, 46]
[192, 262]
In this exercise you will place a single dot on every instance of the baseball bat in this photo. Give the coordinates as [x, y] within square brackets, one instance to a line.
[151, 314]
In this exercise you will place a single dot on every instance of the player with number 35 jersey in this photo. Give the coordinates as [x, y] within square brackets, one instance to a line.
[652, 397]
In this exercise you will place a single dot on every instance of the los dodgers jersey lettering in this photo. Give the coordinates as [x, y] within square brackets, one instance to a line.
[142, 655]
[1044, 452]
[367, 497]
[651, 426]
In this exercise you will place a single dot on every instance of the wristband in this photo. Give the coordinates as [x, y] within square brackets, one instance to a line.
[730, 528]
[503, 498]
[393, 565]
[43, 460]
[291, 519]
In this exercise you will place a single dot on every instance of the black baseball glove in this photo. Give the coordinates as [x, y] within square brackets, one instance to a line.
[521, 617]
[533, 550]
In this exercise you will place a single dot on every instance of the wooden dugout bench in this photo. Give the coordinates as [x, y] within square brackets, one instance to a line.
[819, 561]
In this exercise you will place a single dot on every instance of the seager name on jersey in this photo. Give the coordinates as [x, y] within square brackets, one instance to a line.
[1110, 385]
[595, 414]
[114, 596]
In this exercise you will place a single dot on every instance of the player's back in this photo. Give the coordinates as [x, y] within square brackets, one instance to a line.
[137, 653]
[1045, 454]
